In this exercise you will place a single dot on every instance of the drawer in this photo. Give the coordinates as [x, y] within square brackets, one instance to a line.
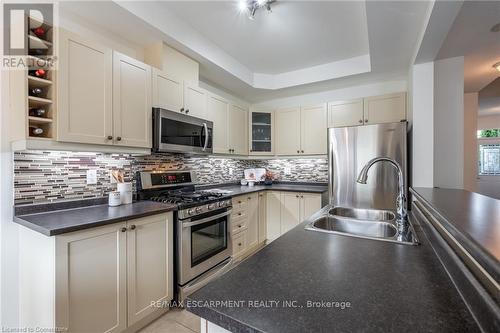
[239, 243]
[240, 203]
[239, 225]
[238, 215]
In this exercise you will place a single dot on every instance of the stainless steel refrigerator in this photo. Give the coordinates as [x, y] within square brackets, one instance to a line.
[350, 148]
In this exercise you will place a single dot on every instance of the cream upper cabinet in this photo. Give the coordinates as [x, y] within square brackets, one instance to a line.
[91, 280]
[313, 129]
[84, 84]
[238, 130]
[195, 101]
[253, 220]
[218, 113]
[149, 265]
[310, 204]
[132, 118]
[385, 109]
[345, 113]
[290, 210]
[288, 131]
[273, 215]
[261, 132]
[168, 91]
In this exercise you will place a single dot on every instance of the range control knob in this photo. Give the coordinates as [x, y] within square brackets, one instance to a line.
[190, 211]
[221, 203]
[199, 209]
[211, 206]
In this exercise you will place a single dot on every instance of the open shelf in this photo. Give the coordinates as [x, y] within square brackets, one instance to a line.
[39, 120]
[36, 82]
[38, 101]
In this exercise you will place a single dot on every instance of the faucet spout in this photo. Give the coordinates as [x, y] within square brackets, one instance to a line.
[401, 198]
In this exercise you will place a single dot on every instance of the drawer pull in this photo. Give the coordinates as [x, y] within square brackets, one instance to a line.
[239, 213]
[239, 225]
[123, 229]
[239, 201]
[239, 244]
[132, 227]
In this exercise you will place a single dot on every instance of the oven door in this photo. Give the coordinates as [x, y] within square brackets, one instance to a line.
[203, 244]
[176, 132]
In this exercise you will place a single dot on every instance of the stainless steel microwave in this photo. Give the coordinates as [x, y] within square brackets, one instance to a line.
[180, 133]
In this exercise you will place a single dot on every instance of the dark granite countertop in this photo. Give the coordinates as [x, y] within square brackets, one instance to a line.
[67, 220]
[471, 218]
[289, 186]
[390, 288]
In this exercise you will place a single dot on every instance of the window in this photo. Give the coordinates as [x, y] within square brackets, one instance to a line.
[489, 159]
[488, 133]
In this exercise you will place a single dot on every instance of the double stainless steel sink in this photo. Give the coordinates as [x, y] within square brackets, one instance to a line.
[363, 223]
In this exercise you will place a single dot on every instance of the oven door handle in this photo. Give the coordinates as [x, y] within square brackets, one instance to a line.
[206, 137]
[188, 223]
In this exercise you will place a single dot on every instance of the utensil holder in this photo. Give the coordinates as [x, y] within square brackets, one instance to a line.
[125, 190]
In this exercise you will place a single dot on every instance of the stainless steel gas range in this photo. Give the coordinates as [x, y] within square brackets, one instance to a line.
[202, 226]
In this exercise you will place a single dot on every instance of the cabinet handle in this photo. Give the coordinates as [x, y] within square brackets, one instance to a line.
[239, 214]
[239, 225]
[302, 151]
[239, 201]
[187, 111]
[366, 120]
[119, 138]
[110, 137]
[132, 227]
[360, 121]
[298, 151]
[297, 196]
[249, 198]
[302, 196]
[239, 244]
[182, 109]
[123, 229]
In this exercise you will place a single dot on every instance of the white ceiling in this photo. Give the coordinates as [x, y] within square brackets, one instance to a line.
[294, 36]
[301, 47]
[470, 36]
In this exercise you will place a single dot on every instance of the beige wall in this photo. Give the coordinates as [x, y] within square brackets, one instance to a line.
[487, 122]
[470, 141]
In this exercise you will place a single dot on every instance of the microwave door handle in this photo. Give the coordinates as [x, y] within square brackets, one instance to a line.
[205, 220]
[205, 127]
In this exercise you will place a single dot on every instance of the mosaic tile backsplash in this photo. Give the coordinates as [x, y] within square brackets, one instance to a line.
[41, 177]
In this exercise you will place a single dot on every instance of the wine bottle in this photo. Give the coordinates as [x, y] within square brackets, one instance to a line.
[38, 73]
[36, 92]
[35, 131]
[39, 32]
[37, 112]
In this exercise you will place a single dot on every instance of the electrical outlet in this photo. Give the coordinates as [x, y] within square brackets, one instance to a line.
[91, 177]
[288, 171]
[230, 171]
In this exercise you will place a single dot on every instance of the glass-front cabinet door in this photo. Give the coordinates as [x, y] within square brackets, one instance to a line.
[261, 132]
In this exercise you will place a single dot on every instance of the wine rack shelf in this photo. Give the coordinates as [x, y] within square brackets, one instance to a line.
[41, 92]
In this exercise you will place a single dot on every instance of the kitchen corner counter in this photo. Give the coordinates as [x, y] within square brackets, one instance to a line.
[58, 222]
[287, 187]
[389, 287]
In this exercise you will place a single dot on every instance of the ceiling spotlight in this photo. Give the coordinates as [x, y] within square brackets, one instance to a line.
[497, 66]
[251, 6]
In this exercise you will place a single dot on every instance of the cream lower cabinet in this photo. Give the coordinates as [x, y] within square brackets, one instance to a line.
[285, 210]
[103, 279]
[245, 224]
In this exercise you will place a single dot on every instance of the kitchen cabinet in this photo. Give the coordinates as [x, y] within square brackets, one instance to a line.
[285, 210]
[345, 113]
[290, 211]
[313, 129]
[261, 132]
[218, 113]
[239, 244]
[288, 131]
[273, 215]
[301, 130]
[253, 220]
[132, 108]
[168, 91]
[238, 130]
[104, 97]
[370, 110]
[174, 94]
[195, 100]
[84, 84]
[262, 217]
[230, 126]
[149, 271]
[245, 224]
[102, 279]
[385, 109]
